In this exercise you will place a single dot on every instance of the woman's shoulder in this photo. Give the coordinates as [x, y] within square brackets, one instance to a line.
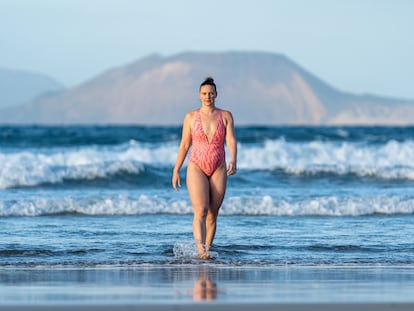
[191, 114]
[226, 114]
[227, 117]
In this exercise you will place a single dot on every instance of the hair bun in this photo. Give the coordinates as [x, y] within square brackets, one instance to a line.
[209, 80]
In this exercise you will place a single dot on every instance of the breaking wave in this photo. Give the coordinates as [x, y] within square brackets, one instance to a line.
[54, 166]
[118, 204]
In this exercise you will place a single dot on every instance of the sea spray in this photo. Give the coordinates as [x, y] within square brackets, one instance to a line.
[185, 249]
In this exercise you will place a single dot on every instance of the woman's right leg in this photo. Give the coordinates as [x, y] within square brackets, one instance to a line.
[218, 183]
[199, 190]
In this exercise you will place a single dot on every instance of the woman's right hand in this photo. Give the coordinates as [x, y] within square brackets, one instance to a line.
[176, 181]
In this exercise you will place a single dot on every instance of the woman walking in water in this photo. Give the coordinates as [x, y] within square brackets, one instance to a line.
[205, 130]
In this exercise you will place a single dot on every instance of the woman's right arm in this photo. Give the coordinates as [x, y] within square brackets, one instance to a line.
[182, 151]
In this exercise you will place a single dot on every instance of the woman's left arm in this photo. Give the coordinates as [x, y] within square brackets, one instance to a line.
[231, 144]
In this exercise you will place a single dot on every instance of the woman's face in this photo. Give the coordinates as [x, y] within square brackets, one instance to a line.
[207, 95]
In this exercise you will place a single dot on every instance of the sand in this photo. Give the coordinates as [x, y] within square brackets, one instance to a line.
[223, 307]
[208, 287]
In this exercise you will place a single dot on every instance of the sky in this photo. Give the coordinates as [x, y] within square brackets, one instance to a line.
[358, 46]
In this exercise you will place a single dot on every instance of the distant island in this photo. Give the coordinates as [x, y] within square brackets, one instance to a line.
[259, 88]
[18, 87]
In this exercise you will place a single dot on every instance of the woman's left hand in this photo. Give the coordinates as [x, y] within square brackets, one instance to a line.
[231, 168]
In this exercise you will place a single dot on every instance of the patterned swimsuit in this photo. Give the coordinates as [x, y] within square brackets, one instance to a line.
[208, 156]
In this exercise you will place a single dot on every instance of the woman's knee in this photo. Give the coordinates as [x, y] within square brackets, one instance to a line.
[212, 215]
[200, 212]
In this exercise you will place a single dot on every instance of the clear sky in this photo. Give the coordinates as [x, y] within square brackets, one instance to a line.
[361, 46]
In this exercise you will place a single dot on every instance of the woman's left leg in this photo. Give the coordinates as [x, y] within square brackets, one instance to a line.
[218, 182]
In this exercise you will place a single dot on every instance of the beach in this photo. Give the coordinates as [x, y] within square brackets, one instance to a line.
[229, 307]
[207, 286]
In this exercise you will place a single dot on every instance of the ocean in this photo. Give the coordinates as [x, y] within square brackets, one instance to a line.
[100, 197]
[88, 217]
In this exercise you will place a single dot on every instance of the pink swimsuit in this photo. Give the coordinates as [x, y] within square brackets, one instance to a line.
[208, 156]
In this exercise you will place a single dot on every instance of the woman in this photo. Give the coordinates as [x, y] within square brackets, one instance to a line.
[205, 130]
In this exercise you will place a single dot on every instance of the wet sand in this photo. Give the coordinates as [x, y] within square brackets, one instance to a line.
[225, 307]
[208, 286]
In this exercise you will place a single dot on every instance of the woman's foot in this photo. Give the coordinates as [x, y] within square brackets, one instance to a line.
[204, 256]
[203, 251]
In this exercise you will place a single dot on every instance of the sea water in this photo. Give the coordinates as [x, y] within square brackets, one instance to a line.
[88, 196]
[335, 200]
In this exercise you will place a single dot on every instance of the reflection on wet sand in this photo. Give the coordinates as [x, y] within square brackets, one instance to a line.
[170, 287]
[204, 288]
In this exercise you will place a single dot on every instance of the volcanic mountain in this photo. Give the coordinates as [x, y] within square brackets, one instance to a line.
[259, 88]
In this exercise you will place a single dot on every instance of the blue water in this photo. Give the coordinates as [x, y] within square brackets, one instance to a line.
[101, 197]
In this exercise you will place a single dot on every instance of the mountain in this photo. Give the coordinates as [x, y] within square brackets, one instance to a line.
[18, 87]
[259, 88]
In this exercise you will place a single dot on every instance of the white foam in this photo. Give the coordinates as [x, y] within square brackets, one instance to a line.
[185, 249]
[389, 161]
[188, 250]
[392, 160]
[266, 205]
[36, 167]
[318, 206]
[93, 205]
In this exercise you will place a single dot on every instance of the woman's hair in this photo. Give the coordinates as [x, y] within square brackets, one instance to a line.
[209, 81]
